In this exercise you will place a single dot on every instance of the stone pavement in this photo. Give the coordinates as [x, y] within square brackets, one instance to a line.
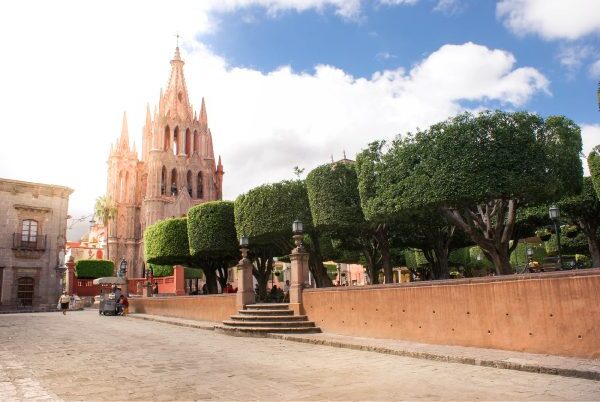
[84, 356]
[548, 364]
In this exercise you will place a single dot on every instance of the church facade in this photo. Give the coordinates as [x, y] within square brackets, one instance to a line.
[176, 170]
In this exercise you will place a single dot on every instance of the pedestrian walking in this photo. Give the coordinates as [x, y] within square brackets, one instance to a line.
[64, 301]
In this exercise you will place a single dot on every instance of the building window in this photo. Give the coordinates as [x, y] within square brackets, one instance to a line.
[29, 232]
[25, 292]
[199, 185]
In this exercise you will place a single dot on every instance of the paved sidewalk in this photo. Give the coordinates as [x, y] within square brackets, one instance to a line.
[536, 363]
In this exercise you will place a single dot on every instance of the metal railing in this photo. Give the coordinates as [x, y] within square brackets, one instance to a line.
[37, 243]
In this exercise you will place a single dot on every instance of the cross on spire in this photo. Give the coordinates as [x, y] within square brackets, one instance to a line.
[177, 39]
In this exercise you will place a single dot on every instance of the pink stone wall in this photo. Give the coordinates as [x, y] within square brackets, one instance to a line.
[204, 308]
[552, 313]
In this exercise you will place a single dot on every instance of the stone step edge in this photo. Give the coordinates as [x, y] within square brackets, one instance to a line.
[268, 329]
[501, 364]
[265, 312]
[269, 317]
[275, 324]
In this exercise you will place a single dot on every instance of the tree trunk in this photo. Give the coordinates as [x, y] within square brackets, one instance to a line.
[222, 276]
[500, 260]
[590, 234]
[441, 257]
[262, 271]
[315, 263]
[384, 249]
[370, 254]
[211, 280]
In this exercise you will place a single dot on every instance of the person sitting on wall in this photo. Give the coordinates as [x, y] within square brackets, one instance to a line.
[155, 288]
[204, 289]
[286, 291]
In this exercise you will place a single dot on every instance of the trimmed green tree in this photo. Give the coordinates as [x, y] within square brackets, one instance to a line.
[212, 239]
[92, 269]
[583, 210]
[265, 214]
[593, 161]
[477, 170]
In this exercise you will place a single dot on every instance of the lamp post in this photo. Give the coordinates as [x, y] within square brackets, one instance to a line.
[554, 213]
[529, 253]
[122, 268]
[245, 294]
[298, 230]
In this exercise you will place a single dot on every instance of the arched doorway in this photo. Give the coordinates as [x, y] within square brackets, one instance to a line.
[25, 292]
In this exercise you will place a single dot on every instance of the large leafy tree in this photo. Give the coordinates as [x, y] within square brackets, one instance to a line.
[583, 210]
[421, 228]
[106, 210]
[594, 165]
[265, 214]
[335, 206]
[212, 240]
[478, 170]
[166, 243]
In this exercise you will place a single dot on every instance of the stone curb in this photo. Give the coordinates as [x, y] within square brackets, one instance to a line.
[500, 364]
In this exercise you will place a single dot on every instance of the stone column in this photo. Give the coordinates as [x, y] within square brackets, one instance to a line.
[70, 276]
[245, 293]
[299, 274]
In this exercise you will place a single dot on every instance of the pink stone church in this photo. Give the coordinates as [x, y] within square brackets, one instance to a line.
[177, 170]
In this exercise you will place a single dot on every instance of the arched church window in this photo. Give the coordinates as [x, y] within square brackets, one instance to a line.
[199, 185]
[176, 141]
[189, 183]
[163, 181]
[196, 142]
[188, 142]
[120, 195]
[174, 182]
[167, 138]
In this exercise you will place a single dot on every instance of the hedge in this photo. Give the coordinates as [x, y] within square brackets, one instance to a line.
[267, 212]
[211, 230]
[333, 196]
[92, 269]
[166, 242]
[160, 271]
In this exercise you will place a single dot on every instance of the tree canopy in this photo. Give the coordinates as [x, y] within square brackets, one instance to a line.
[166, 242]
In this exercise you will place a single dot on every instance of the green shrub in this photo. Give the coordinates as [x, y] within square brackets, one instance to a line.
[160, 271]
[166, 242]
[92, 269]
[211, 230]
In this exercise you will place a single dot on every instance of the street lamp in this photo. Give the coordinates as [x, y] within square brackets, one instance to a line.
[244, 243]
[554, 213]
[298, 230]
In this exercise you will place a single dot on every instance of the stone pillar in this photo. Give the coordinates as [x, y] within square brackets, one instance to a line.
[70, 276]
[179, 279]
[245, 293]
[299, 280]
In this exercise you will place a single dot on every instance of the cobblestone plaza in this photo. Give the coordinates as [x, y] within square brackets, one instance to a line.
[83, 356]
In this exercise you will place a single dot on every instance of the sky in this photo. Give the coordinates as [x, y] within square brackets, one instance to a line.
[286, 83]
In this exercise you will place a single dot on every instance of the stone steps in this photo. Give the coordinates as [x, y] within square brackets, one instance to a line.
[264, 318]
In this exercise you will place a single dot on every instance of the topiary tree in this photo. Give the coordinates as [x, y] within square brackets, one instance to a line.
[265, 214]
[212, 239]
[593, 161]
[166, 242]
[478, 170]
[335, 207]
[92, 269]
[584, 210]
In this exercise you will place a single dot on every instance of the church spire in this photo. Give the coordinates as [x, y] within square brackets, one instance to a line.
[175, 99]
[203, 117]
[124, 139]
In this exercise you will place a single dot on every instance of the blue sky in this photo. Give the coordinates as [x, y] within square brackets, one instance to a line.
[286, 82]
[389, 37]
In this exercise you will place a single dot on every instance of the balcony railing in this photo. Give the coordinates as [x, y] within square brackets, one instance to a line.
[37, 243]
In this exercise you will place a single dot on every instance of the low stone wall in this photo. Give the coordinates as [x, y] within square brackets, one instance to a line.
[205, 307]
[554, 313]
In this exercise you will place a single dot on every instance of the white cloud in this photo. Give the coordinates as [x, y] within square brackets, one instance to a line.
[66, 82]
[590, 135]
[551, 19]
[398, 2]
[572, 57]
[594, 69]
[449, 7]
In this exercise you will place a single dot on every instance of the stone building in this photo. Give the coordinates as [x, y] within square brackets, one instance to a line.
[176, 171]
[33, 224]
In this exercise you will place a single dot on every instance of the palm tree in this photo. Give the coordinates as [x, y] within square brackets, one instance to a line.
[105, 210]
